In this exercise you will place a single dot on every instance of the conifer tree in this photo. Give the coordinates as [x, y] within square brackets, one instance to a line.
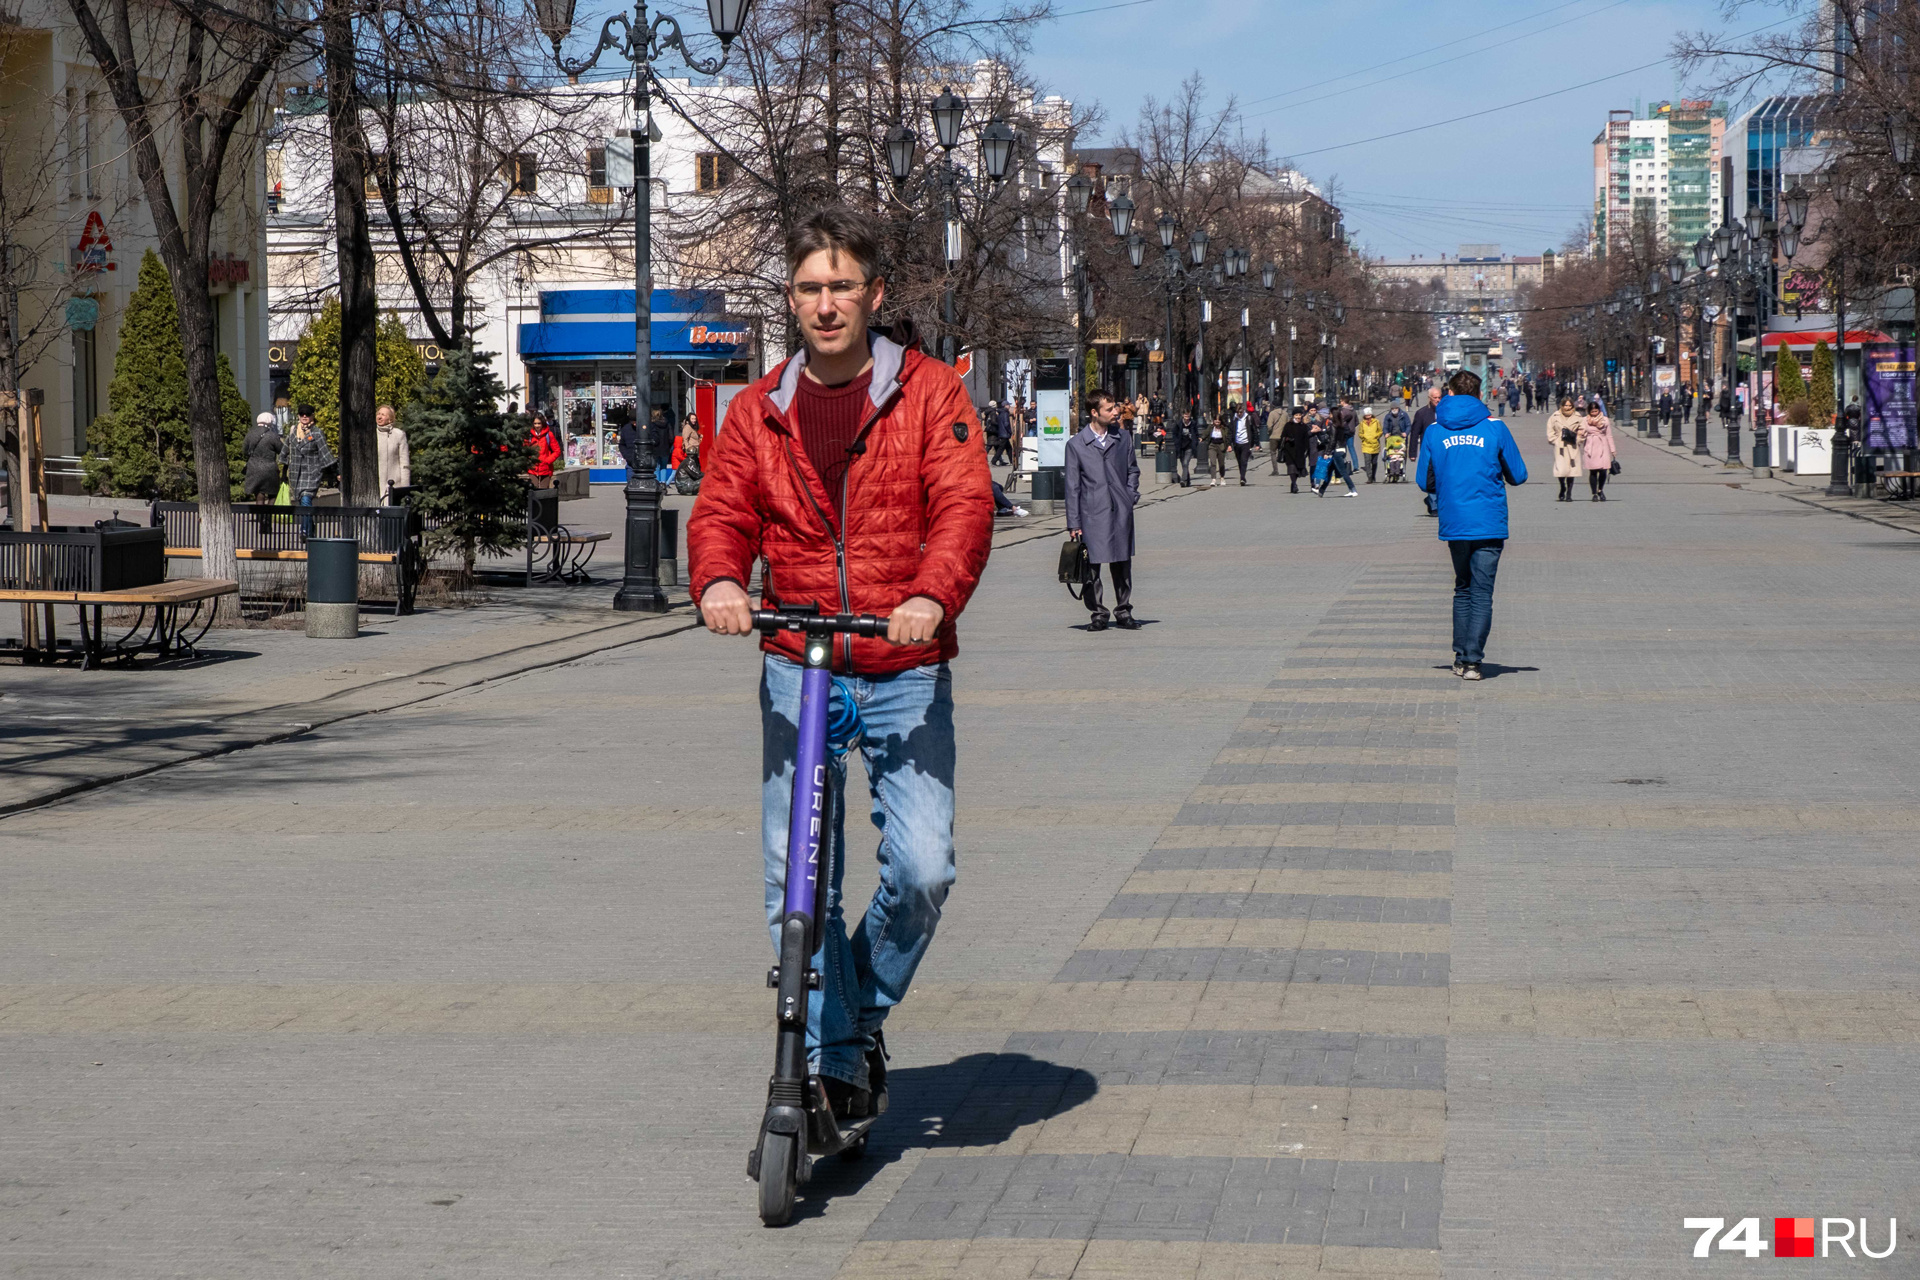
[399, 368]
[1820, 392]
[1789, 387]
[315, 376]
[469, 462]
[143, 445]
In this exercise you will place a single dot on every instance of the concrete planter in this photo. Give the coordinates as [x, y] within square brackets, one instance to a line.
[1812, 450]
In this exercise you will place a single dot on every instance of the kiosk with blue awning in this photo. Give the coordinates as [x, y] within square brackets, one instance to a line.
[579, 362]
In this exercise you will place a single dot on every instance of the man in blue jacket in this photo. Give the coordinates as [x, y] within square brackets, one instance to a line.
[1467, 460]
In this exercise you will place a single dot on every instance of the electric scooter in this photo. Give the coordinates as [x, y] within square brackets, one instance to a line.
[799, 1126]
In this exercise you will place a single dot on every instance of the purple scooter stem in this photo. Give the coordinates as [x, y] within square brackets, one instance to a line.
[807, 825]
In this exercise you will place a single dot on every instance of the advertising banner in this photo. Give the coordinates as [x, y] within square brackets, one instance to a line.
[1665, 378]
[1889, 405]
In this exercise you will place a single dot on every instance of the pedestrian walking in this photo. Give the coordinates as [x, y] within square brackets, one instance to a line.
[1563, 433]
[1526, 389]
[1347, 425]
[307, 458]
[1596, 451]
[1276, 426]
[1103, 487]
[546, 451]
[261, 480]
[395, 458]
[1296, 447]
[1513, 397]
[1469, 460]
[1244, 438]
[1422, 419]
[1666, 409]
[1216, 435]
[1186, 442]
[1370, 433]
[1333, 451]
[852, 470]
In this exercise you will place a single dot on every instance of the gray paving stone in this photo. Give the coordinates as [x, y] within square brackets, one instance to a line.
[1115, 1197]
[1301, 1058]
[1278, 906]
[1316, 813]
[1386, 775]
[1280, 857]
[1256, 964]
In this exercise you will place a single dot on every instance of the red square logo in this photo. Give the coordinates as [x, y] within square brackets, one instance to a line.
[1793, 1237]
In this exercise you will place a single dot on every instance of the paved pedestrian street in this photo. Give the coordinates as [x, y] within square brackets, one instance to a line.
[1276, 950]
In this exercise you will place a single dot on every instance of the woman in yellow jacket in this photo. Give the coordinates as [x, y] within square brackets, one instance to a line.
[1370, 444]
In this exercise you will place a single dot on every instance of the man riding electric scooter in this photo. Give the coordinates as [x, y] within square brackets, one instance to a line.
[855, 470]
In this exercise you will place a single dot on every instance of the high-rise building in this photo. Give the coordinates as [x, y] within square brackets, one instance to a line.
[1755, 143]
[1660, 171]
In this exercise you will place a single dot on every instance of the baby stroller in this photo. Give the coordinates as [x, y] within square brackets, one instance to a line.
[1396, 451]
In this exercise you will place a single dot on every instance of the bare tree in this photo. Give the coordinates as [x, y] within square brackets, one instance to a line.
[192, 74]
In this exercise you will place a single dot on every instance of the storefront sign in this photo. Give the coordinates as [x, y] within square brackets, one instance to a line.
[93, 251]
[1889, 405]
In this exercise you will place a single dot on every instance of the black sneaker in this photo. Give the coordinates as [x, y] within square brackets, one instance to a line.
[1472, 672]
[1459, 666]
[1098, 624]
[849, 1101]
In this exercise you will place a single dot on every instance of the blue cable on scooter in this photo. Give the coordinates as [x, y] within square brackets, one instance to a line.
[843, 718]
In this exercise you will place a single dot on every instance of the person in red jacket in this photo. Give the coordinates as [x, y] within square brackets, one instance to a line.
[855, 470]
[547, 451]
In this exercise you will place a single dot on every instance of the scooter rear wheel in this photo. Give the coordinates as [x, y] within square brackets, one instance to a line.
[778, 1175]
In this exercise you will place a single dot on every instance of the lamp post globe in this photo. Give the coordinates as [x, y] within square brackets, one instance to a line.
[1676, 269]
[1797, 201]
[1219, 274]
[728, 18]
[901, 145]
[1079, 193]
[948, 110]
[997, 143]
[1267, 273]
[1286, 291]
[1122, 212]
[1197, 245]
[1339, 312]
[1756, 221]
[1790, 240]
[556, 20]
[1723, 242]
[1167, 227]
[1702, 252]
[1136, 250]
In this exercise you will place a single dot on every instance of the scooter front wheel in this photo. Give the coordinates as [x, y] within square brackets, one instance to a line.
[779, 1172]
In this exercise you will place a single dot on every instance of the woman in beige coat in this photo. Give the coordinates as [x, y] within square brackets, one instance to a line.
[1563, 433]
[395, 459]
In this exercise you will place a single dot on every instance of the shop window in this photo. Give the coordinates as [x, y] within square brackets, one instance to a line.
[714, 171]
[598, 190]
[86, 386]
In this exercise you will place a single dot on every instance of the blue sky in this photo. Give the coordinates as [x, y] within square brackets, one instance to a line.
[1521, 177]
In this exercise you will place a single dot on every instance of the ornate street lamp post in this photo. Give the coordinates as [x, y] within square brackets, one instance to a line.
[640, 41]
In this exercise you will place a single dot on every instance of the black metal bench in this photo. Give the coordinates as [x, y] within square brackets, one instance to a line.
[113, 565]
[563, 551]
[387, 535]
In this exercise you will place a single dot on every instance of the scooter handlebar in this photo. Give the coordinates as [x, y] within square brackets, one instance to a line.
[863, 624]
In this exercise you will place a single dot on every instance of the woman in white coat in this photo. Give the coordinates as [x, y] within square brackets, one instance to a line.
[1563, 433]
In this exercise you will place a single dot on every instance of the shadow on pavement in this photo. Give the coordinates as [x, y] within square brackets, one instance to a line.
[979, 1101]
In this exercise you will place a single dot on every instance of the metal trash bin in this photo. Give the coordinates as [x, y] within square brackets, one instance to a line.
[333, 588]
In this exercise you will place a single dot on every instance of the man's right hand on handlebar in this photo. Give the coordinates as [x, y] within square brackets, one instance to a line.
[726, 610]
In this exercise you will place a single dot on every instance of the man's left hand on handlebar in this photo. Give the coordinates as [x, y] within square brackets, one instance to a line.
[915, 621]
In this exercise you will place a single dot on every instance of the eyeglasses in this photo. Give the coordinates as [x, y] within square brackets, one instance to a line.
[842, 290]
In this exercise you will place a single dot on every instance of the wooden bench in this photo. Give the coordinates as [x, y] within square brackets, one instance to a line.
[166, 636]
[1906, 486]
[271, 534]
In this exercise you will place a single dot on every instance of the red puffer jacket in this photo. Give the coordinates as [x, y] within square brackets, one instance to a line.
[919, 507]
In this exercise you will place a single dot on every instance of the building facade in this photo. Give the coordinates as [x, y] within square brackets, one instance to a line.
[1660, 170]
[77, 222]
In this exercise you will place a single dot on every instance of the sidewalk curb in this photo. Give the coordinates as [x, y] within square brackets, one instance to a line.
[241, 730]
[231, 733]
[1785, 491]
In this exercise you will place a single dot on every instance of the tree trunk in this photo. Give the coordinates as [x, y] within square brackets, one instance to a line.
[194, 303]
[359, 300]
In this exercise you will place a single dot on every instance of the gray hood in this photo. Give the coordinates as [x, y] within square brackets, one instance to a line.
[889, 357]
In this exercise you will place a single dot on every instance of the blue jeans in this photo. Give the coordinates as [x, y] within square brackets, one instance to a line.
[305, 502]
[1475, 563]
[907, 746]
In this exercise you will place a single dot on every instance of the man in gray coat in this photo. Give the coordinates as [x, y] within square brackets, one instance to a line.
[1103, 484]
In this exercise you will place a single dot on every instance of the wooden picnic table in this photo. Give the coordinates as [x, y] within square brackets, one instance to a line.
[166, 636]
